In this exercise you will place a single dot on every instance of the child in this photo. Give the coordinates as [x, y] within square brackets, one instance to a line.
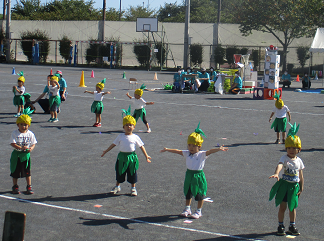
[19, 91]
[290, 186]
[97, 105]
[127, 161]
[195, 183]
[24, 141]
[54, 99]
[279, 124]
[138, 104]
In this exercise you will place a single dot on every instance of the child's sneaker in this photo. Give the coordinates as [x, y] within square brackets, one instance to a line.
[55, 120]
[277, 141]
[17, 115]
[293, 230]
[95, 124]
[186, 213]
[99, 125]
[149, 130]
[115, 190]
[29, 189]
[15, 189]
[281, 230]
[133, 191]
[51, 119]
[283, 141]
[196, 215]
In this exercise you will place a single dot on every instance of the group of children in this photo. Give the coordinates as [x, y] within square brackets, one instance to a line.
[286, 190]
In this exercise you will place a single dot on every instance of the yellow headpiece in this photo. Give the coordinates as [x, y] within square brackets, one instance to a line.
[25, 118]
[54, 78]
[101, 84]
[21, 76]
[292, 140]
[140, 90]
[195, 138]
[279, 102]
[129, 120]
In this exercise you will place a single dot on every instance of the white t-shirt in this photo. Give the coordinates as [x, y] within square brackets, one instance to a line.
[98, 96]
[53, 90]
[138, 103]
[281, 113]
[195, 161]
[22, 89]
[291, 168]
[23, 139]
[127, 143]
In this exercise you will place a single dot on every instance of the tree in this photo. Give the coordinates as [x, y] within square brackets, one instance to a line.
[171, 13]
[230, 51]
[255, 58]
[142, 53]
[138, 12]
[24, 9]
[64, 48]
[303, 55]
[286, 20]
[161, 52]
[27, 43]
[196, 54]
[219, 54]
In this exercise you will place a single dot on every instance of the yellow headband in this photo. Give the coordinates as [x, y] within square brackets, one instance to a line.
[54, 78]
[22, 79]
[129, 120]
[293, 141]
[24, 119]
[195, 139]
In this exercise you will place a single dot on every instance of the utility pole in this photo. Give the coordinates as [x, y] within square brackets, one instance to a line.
[8, 30]
[186, 36]
[4, 9]
[103, 20]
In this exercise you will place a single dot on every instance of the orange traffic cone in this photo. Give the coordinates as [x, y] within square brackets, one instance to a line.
[82, 80]
[92, 74]
[155, 76]
[297, 79]
[51, 72]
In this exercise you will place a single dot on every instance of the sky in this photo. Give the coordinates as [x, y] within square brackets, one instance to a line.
[153, 4]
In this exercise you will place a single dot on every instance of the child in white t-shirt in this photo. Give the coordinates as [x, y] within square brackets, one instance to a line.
[195, 183]
[288, 188]
[19, 91]
[127, 161]
[54, 99]
[279, 124]
[138, 104]
[23, 141]
[97, 105]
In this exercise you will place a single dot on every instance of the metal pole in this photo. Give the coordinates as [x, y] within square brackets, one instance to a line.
[103, 20]
[120, 9]
[4, 9]
[186, 35]
[8, 30]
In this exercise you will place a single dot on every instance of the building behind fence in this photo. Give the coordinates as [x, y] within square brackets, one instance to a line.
[171, 34]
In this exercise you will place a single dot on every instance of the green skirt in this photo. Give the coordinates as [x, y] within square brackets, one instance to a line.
[54, 99]
[279, 124]
[126, 160]
[139, 113]
[23, 156]
[196, 181]
[97, 107]
[19, 100]
[280, 189]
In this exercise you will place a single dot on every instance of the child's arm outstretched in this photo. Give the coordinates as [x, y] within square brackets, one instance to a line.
[128, 95]
[148, 158]
[149, 103]
[87, 91]
[271, 116]
[176, 151]
[277, 171]
[211, 151]
[108, 149]
[104, 93]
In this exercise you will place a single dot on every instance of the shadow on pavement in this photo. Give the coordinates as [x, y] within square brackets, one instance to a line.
[241, 237]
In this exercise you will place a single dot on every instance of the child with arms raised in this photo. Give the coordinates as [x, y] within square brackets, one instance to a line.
[195, 183]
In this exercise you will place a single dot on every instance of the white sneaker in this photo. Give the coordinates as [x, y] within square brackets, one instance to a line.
[149, 130]
[133, 192]
[196, 215]
[186, 213]
[115, 190]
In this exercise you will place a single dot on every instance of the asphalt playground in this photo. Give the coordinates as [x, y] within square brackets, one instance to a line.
[72, 182]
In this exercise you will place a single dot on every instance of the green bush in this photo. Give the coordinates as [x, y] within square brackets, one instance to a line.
[142, 53]
[196, 54]
[27, 45]
[64, 48]
[303, 55]
[219, 54]
[161, 53]
[230, 51]
[255, 58]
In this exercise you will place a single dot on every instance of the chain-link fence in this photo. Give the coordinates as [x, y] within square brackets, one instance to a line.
[118, 54]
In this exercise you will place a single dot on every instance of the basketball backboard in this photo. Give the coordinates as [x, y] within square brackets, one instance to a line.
[146, 25]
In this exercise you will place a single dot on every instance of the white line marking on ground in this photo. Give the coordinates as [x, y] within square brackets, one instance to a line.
[124, 218]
